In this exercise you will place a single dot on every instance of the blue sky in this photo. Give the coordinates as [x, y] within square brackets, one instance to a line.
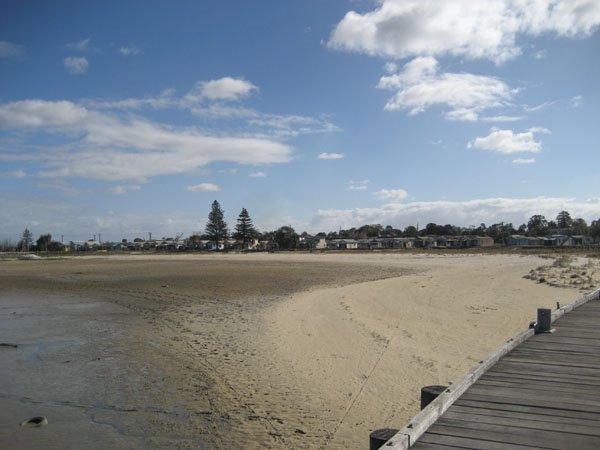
[130, 117]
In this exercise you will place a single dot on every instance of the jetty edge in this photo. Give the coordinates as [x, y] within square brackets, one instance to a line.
[420, 423]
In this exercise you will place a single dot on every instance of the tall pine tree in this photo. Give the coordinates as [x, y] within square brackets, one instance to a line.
[244, 229]
[216, 227]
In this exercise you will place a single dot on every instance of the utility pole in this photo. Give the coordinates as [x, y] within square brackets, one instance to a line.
[149, 235]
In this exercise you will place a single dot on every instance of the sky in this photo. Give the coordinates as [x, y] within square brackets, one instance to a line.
[125, 117]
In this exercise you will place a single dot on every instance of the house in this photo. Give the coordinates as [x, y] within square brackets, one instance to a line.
[517, 240]
[426, 242]
[558, 240]
[312, 242]
[582, 241]
[365, 244]
[348, 244]
[481, 241]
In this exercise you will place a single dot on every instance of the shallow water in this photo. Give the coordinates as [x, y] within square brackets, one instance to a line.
[77, 365]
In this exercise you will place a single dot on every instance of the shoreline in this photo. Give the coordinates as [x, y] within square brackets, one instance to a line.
[283, 350]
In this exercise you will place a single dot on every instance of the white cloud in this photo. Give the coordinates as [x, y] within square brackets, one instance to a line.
[540, 130]
[204, 187]
[390, 67]
[263, 125]
[80, 46]
[76, 65]
[330, 156]
[257, 175]
[11, 50]
[537, 107]
[361, 185]
[164, 100]
[59, 185]
[105, 146]
[576, 101]
[132, 50]
[292, 125]
[523, 161]
[462, 213]
[420, 85]
[14, 174]
[40, 113]
[392, 195]
[502, 118]
[226, 88]
[124, 189]
[508, 142]
[474, 29]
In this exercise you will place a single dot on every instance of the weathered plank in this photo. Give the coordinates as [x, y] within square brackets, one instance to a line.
[525, 377]
[505, 396]
[539, 415]
[529, 409]
[526, 421]
[539, 391]
[514, 435]
[545, 388]
[466, 442]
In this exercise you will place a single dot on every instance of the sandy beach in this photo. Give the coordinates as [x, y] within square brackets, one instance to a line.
[252, 351]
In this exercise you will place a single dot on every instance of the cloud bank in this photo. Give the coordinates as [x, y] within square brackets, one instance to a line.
[105, 146]
[462, 213]
[76, 65]
[420, 85]
[508, 142]
[462, 28]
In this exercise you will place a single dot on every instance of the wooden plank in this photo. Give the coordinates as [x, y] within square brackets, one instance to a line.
[539, 402]
[526, 421]
[547, 388]
[427, 446]
[465, 442]
[554, 366]
[513, 435]
[558, 339]
[584, 323]
[558, 358]
[554, 353]
[538, 345]
[543, 377]
[510, 363]
[528, 409]
[575, 339]
[574, 332]
[532, 393]
[533, 414]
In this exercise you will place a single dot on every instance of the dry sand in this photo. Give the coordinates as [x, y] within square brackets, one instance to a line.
[252, 351]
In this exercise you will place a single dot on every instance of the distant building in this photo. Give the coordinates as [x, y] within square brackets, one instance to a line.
[516, 240]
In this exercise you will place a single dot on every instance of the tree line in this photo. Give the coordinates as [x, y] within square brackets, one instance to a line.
[285, 237]
[217, 231]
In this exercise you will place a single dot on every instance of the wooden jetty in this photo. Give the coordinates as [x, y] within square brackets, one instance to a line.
[539, 390]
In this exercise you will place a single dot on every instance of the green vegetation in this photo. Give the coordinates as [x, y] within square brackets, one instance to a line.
[216, 227]
[285, 237]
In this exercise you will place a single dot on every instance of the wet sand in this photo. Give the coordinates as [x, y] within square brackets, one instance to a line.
[250, 351]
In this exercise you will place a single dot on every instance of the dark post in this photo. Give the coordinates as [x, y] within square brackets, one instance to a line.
[544, 320]
[430, 393]
[379, 437]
